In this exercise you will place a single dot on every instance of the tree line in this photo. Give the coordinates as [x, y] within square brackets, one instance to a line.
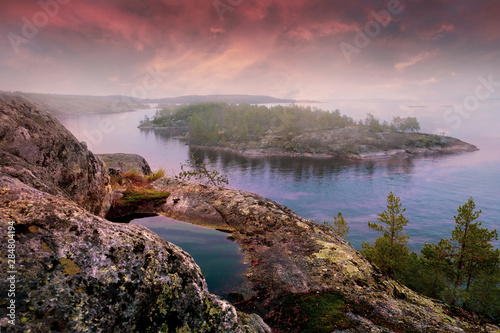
[462, 270]
[215, 123]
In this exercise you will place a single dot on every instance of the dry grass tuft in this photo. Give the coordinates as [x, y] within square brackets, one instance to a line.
[155, 176]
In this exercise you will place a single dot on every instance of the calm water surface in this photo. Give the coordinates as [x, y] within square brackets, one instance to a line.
[431, 188]
[213, 252]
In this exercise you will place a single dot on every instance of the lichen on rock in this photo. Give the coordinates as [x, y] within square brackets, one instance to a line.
[292, 255]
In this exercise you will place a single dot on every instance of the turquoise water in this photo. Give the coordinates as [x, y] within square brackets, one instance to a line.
[219, 258]
[431, 188]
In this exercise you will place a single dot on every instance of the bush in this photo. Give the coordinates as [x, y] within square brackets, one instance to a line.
[201, 172]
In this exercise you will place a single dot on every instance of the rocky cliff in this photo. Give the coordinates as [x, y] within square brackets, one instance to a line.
[291, 256]
[73, 271]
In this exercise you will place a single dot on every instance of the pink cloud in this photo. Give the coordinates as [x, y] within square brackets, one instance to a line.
[415, 60]
[290, 47]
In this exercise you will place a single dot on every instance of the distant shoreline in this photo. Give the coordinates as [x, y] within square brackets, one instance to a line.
[377, 155]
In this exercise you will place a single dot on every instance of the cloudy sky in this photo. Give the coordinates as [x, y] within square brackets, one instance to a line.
[303, 49]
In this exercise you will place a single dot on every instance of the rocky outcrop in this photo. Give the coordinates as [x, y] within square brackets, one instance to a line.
[75, 271]
[351, 142]
[120, 163]
[292, 255]
[36, 149]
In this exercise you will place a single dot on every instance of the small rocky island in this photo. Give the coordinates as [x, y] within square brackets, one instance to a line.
[253, 130]
[79, 272]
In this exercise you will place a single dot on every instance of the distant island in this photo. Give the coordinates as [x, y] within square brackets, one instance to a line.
[85, 104]
[293, 130]
[249, 99]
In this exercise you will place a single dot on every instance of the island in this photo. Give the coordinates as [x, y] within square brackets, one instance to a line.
[256, 130]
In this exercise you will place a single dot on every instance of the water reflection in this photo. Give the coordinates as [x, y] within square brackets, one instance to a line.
[172, 133]
[430, 187]
[301, 168]
[219, 258]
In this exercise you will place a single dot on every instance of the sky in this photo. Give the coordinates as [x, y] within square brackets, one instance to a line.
[301, 49]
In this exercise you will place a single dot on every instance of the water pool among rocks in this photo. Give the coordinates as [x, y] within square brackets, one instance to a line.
[219, 258]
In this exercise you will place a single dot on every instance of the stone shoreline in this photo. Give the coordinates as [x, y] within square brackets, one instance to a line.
[380, 155]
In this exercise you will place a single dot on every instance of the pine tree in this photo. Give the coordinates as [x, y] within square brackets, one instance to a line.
[197, 130]
[390, 250]
[340, 225]
[435, 268]
[463, 270]
[474, 251]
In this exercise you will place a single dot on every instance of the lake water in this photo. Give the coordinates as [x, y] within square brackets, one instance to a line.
[215, 254]
[431, 188]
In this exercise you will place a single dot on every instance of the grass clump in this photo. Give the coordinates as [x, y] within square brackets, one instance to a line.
[137, 179]
[140, 195]
[155, 176]
[134, 177]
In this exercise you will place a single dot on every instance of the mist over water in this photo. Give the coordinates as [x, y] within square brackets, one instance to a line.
[431, 188]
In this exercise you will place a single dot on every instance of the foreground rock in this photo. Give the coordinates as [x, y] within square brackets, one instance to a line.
[80, 273]
[290, 255]
[77, 272]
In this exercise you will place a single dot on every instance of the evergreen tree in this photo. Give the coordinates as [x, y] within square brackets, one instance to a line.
[474, 252]
[465, 269]
[197, 131]
[484, 294]
[435, 268]
[372, 123]
[409, 124]
[390, 251]
[340, 225]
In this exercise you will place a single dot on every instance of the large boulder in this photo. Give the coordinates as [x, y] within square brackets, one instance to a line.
[36, 149]
[119, 162]
[294, 259]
